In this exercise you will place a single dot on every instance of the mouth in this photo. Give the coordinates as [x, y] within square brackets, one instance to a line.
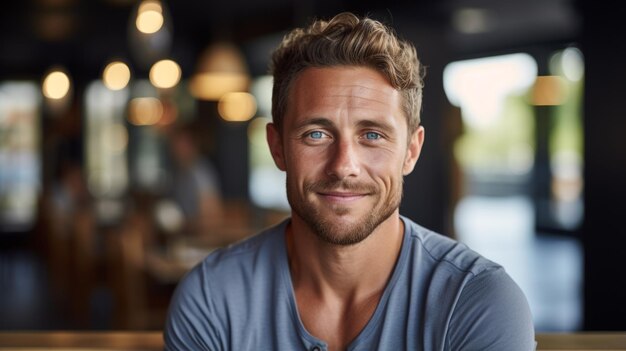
[341, 196]
[340, 192]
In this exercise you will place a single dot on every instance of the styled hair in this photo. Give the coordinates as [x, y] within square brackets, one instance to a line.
[347, 40]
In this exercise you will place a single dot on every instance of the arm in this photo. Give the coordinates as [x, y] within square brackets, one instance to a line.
[191, 323]
[491, 314]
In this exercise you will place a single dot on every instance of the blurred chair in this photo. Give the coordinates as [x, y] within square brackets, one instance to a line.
[71, 241]
[140, 301]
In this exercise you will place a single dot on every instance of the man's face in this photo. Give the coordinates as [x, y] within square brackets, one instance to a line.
[345, 148]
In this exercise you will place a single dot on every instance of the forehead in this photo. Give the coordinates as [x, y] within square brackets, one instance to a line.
[348, 88]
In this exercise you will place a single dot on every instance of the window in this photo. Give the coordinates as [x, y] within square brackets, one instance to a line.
[20, 163]
[507, 111]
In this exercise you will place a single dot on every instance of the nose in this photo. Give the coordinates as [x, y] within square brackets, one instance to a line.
[343, 160]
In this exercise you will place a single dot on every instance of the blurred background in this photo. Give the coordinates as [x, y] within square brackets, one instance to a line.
[132, 144]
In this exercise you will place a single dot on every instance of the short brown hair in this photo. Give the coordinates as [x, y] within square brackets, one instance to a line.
[348, 40]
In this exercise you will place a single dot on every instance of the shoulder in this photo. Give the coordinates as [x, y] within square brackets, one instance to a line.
[446, 252]
[492, 313]
[217, 285]
[234, 265]
[487, 309]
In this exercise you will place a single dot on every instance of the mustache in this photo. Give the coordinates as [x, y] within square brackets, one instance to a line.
[340, 185]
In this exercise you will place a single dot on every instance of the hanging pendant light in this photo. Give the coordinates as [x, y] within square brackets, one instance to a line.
[221, 69]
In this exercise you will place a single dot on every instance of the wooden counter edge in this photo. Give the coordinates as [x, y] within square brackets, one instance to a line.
[153, 340]
[581, 341]
[117, 340]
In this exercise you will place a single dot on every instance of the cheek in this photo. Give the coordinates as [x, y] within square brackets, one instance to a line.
[384, 160]
[303, 163]
[302, 157]
[385, 168]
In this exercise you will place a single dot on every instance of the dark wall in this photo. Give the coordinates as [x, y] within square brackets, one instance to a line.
[604, 230]
[426, 190]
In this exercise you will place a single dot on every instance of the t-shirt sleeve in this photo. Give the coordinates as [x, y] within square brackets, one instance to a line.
[491, 314]
[191, 322]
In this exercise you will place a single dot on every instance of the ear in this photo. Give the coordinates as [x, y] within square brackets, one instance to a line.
[275, 143]
[413, 150]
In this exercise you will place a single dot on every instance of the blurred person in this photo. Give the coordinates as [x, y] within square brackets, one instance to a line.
[69, 193]
[67, 203]
[347, 271]
[73, 240]
[195, 184]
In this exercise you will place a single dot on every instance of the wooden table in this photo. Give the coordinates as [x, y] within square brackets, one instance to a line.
[153, 340]
[168, 265]
[582, 341]
[84, 341]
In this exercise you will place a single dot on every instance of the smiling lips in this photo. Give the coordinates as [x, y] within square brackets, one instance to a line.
[340, 191]
[342, 197]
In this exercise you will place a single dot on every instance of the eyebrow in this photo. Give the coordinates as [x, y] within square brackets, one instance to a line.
[318, 121]
[366, 123]
[327, 123]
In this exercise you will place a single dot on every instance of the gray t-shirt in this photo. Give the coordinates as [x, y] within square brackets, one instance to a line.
[441, 296]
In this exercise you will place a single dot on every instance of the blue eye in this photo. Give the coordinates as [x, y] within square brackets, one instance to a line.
[372, 136]
[316, 135]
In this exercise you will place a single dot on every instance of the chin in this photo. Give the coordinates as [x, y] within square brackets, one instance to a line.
[343, 231]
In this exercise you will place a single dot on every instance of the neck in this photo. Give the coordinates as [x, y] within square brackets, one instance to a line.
[354, 272]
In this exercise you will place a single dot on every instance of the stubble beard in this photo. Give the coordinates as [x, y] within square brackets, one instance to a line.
[331, 231]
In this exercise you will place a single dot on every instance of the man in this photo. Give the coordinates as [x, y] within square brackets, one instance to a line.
[346, 271]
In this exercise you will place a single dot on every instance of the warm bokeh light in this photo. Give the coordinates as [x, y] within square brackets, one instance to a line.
[170, 112]
[149, 17]
[237, 107]
[56, 85]
[149, 22]
[165, 74]
[116, 75]
[150, 5]
[220, 69]
[145, 111]
[212, 86]
[549, 91]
